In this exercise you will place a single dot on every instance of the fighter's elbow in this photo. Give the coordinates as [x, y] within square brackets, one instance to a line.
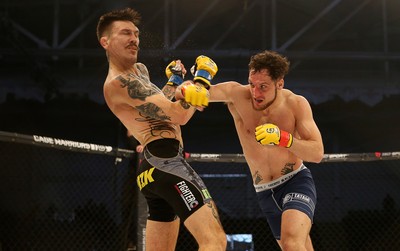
[182, 119]
[184, 122]
[318, 156]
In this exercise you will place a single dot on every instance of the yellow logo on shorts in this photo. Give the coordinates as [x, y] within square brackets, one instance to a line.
[145, 178]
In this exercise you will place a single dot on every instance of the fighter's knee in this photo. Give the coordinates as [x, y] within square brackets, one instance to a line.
[290, 244]
[220, 245]
[217, 241]
[222, 241]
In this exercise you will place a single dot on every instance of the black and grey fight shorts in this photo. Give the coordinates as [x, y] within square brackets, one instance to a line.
[295, 190]
[169, 184]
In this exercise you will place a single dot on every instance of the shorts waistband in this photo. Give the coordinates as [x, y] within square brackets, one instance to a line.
[163, 148]
[279, 181]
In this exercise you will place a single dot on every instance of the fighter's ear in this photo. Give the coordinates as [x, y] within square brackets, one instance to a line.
[280, 83]
[104, 42]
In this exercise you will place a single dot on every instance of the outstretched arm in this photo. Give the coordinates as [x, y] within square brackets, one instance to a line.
[223, 92]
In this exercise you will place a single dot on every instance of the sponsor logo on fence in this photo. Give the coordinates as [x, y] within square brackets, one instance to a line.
[71, 144]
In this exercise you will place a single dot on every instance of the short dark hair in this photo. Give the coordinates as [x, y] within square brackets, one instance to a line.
[107, 19]
[276, 64]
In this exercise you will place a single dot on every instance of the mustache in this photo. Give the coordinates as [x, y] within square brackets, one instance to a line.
[134, 45]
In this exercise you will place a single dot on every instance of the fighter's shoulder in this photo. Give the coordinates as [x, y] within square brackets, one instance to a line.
[233, 86]
[116, 80]
[111, 82]
[141, 68]
[293, 99]
[115, 84]
[240, 91]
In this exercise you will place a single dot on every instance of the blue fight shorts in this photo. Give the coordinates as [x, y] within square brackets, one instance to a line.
[295, 190]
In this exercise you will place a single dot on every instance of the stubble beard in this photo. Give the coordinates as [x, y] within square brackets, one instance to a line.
[267, 104]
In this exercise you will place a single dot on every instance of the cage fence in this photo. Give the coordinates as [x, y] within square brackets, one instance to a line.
[80, 196]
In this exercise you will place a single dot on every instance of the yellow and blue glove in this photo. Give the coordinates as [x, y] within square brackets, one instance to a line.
[175, 73]
[204, 70]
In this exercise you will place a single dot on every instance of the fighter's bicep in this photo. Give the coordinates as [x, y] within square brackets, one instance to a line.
[308, 130]
[305, 124]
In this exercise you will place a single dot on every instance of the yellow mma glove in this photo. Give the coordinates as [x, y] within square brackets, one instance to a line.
[175, 73]
[270, 134]
[195, 95]
[204, 70]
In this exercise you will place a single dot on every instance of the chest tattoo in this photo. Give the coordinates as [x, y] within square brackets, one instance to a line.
[139, 87]
[152, 111]
[157, 123]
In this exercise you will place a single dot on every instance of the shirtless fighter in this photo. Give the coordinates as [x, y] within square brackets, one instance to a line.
[277, 132]
[171, 187]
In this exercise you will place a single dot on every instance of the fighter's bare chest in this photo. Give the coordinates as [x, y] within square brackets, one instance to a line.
[252, 119]
[270, 116]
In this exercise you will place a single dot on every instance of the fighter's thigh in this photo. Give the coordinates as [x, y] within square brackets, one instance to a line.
[205, 224]
[161, 235]
[295, 224]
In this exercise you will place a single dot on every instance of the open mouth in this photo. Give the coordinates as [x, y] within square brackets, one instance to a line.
[258, 101]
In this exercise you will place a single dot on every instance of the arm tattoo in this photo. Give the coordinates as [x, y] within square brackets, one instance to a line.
[257, 178]
[184, 104]
[287, 168]
[169, 91]
[153, 111]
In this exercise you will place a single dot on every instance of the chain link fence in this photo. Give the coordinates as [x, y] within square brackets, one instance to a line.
[52, 199]
[357, 206]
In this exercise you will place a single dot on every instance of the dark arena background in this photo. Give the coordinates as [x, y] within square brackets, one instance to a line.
[67, 169]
